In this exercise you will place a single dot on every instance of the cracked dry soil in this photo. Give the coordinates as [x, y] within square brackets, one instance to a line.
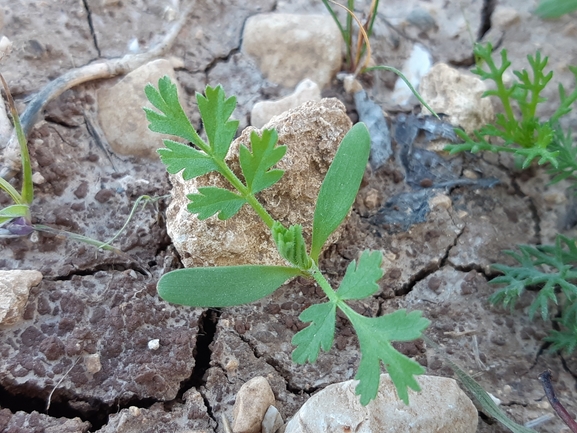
[94, 306]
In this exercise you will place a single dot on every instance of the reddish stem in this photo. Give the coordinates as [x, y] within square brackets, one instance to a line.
[545, 379]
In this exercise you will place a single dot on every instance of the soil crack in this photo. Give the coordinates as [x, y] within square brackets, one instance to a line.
[91, 25]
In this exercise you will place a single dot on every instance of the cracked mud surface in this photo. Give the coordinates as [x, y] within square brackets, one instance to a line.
[97, 307]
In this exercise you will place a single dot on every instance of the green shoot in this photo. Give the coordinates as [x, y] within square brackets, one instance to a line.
[235, 285]
[525, 135]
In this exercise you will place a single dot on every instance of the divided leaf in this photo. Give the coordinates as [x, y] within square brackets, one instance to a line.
[222, 286]
[255, 166]
[360, 281]
[216, 110]
[291, 244]
[319, 334]
[340, 186]
[375, 335]
[177, 156]
[171, 119]
[212, 200]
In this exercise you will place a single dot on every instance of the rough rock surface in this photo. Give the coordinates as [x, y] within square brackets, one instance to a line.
[312, 134]
[14, 289]
[22, 422]
[112, 315]
[120, 114]
[440, 406]
[262, 112]
[289, 48]
[252, 402]
[458, 94]
[190, 417]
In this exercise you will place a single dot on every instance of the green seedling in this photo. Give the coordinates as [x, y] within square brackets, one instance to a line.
[233, 285]
[15, 219]
[552, 269]
[363, 46]
[525, 135]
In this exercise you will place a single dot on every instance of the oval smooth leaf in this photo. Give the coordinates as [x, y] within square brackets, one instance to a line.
[340, 186]
[222, 286]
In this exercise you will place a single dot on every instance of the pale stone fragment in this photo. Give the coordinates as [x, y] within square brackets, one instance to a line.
[440, 406]
[263, 111]
[14, 289]
[120, 111]
[252, 402]
[459, 95]
[289, 48]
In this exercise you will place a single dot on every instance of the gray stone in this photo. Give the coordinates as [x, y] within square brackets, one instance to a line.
[312, 134]
[14, 289]
[440, 406]
[459, 95]
[272, 420]
[120, 111]
[263, 111]
[252, 402]
[289, 48]
[190, 417]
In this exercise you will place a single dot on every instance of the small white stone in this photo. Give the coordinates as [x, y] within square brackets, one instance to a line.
[154, 344]
[14, 289]
[92, 363]
[441, 201]
[252, 402]
[415, 68]
[263, 111]
[38, 179]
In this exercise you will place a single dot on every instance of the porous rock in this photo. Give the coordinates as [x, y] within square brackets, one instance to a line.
[459, 95]
[312, 134]
[440, 406]
[252, 402]
[14, 289]
[35, 422]
[190, 417]
[263, 111]
[289, 48]
[120, 114]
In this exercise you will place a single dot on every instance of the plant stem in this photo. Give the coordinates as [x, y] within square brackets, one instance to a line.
[545, 379]
[323, 283]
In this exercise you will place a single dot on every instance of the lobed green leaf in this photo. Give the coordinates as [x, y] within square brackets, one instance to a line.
[212, 200]
[360, 281]
[172, 118]
[256, 165]
[216, 109]
[180, 157]
[318, 335]
[375, 337]
[340, 186]
[222, 286]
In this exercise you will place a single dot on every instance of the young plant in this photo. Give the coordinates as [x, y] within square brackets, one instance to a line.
[525, 135]
[555, 8]
[234, 285]
[550, 268]
[15, 219]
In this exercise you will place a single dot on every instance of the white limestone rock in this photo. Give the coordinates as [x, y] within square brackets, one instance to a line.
[120, 111]
[415, 67]
[252, 402]
[263, 111]
[459, 95]
[440, 406]
[312, 134]
[289, 48]
[14, 290]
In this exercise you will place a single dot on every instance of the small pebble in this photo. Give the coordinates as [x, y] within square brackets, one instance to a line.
[154, 344]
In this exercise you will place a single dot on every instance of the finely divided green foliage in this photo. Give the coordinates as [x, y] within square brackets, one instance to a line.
[525, 135]
[234, 285]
